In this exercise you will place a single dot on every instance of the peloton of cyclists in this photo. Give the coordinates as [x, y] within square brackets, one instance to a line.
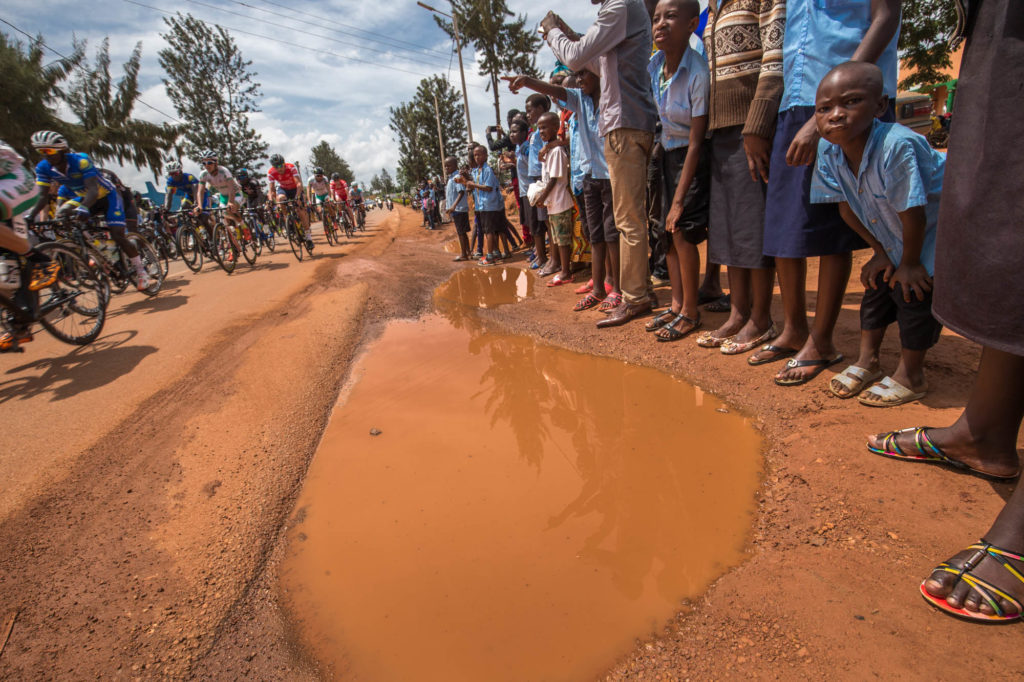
[87, 191]
[284, 185]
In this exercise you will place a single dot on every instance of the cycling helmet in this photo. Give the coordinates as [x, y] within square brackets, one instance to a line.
[276, 160]
[242, 174]
[48, 138]
[174, 166]
[335, 176]
[318, 171]
[210, 155]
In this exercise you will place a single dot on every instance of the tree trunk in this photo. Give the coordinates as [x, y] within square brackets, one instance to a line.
[497, 102]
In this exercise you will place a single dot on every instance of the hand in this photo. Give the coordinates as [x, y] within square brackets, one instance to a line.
[196, 211]
[759, 152]
[564, 27]
[869, 271]
[544, 151]
[674, 214]
[515, 83]
[550, 21]
[804, 148]
[913, 278]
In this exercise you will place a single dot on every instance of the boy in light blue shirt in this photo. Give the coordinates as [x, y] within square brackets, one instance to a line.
[887, 181]
[458, 205]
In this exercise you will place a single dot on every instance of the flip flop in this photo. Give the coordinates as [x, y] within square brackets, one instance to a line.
[558, 280]
[586, 303]
[660, 320]
[891, 392]
[987, 590]
[855, 379]
[820, 365]
[586, 288]
[927, 452]
[780, 354]
[731, 347]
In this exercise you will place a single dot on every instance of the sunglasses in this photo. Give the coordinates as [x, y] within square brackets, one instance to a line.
[209, 163]
[49, 151]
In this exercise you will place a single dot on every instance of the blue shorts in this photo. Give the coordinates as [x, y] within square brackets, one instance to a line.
[111, 208]
[287, 193]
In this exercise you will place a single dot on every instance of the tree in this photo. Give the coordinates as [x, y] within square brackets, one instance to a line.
[31, 91]
[507, 46]
[106, 129]
[213, 90]
[326, 157]
[386, 183]
[924, 47]
[415, 126]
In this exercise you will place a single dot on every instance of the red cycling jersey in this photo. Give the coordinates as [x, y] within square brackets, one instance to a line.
[339, 188]
[287, 177]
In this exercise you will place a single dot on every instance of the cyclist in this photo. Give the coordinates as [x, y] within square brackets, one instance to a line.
[178, 183]
[219, 180]
[254, 199]
[91, 193]
[131, 211]
[339, 190]
[17, 195]
[318, 189]
[357, 200]
[284, 185]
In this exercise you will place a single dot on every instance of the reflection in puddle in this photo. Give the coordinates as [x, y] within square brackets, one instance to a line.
[487, 287]
[525, 513]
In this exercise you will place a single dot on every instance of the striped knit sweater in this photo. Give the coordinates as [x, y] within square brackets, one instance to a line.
[743, 41]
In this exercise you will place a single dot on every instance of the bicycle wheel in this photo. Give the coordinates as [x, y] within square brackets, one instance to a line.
[150, 263]
[190, 248]
[248, 244]
[161, 257]
[329, 228]
[294, 238]
[271, 238]
[223, 249]
[74, 308]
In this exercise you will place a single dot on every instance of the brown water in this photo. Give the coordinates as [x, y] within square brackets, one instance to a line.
[486, 287]
[525, 513]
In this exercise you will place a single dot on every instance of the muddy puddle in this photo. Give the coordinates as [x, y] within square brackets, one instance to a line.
[485, 287]
[524, 512]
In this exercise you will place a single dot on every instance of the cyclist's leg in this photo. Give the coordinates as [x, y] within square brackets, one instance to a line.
[234, 217]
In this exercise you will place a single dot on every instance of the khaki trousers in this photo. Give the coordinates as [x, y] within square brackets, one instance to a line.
[627, 152]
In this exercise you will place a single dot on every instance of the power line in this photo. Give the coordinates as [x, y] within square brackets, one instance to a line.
[66, 58]
[291, 44]
[297, 30]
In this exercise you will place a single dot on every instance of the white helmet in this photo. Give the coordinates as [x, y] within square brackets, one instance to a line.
[48, 138]
[174, 166]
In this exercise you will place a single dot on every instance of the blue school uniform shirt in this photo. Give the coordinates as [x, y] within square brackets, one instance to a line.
[591, 142]
[821, 34]
[523, 166]
[899, 171]
[487, 201]
[684, 96]
[455, 203]
[536, 144]
[577, 164]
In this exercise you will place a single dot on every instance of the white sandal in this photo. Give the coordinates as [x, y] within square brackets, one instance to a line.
[855, 379]
[891, 392]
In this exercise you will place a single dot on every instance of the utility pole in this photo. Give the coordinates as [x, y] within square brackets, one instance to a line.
[440, 139]
[458, 48]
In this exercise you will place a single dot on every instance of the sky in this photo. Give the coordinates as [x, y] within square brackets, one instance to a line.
[329, 69]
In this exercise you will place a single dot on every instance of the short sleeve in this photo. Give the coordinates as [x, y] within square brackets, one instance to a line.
[573, 100]
[700, 84]
[43, 176]
[904, 186]
[559, 165]
[825, 187]
[86, 167]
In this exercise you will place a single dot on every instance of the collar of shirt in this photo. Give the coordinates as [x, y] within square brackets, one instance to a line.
[684, 97]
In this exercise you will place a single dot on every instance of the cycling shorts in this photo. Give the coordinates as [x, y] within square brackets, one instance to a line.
[287, 193]
[321, 198]
[109, 206]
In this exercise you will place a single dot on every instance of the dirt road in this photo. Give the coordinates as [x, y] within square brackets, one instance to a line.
[148, 481]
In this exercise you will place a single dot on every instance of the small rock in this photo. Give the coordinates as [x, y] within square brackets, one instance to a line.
[722, 410]
[893, 535]
[375, 431]
[817, 541]
[802, 652]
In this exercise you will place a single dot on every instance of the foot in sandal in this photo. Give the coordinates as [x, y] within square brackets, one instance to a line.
[889, 393]
[853, 380]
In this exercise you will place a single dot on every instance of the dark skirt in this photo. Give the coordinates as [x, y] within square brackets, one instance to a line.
[793, 226]
[736, 233]
[694, 220]
[980, 241]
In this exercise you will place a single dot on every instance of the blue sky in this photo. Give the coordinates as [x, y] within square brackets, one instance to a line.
[314, 88]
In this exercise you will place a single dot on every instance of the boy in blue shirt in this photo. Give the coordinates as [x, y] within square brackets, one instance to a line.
[887, 181]
[488, 204]
[458, 205]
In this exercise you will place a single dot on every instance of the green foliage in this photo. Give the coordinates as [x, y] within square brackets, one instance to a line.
[106, 129]
[31, 91]
[505, 45]
[326, 157]
[415, 127]
[213, 90]
[924, 31]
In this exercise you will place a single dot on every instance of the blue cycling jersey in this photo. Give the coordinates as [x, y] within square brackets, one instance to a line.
[185, 184]
[80, 167]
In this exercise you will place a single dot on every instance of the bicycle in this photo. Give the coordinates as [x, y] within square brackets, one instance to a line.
[289, 218]
[192, 241]
[73, 309]
[264, 235]
[330, 223]
[224, 248]
[361, 216]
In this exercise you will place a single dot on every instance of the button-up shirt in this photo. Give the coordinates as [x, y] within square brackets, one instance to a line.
[820, 35]
[454, 202]
[899, 171]
[523, 166]
[591, 141]
[684, 96]
[487, 201]
[536, 144]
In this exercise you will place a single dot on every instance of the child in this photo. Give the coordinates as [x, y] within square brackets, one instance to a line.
[887, 180]
[536, 106]
[556, 199]
[458, 205]
[518, 134]
[487, 203]
[680, 80]
[597, 188]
